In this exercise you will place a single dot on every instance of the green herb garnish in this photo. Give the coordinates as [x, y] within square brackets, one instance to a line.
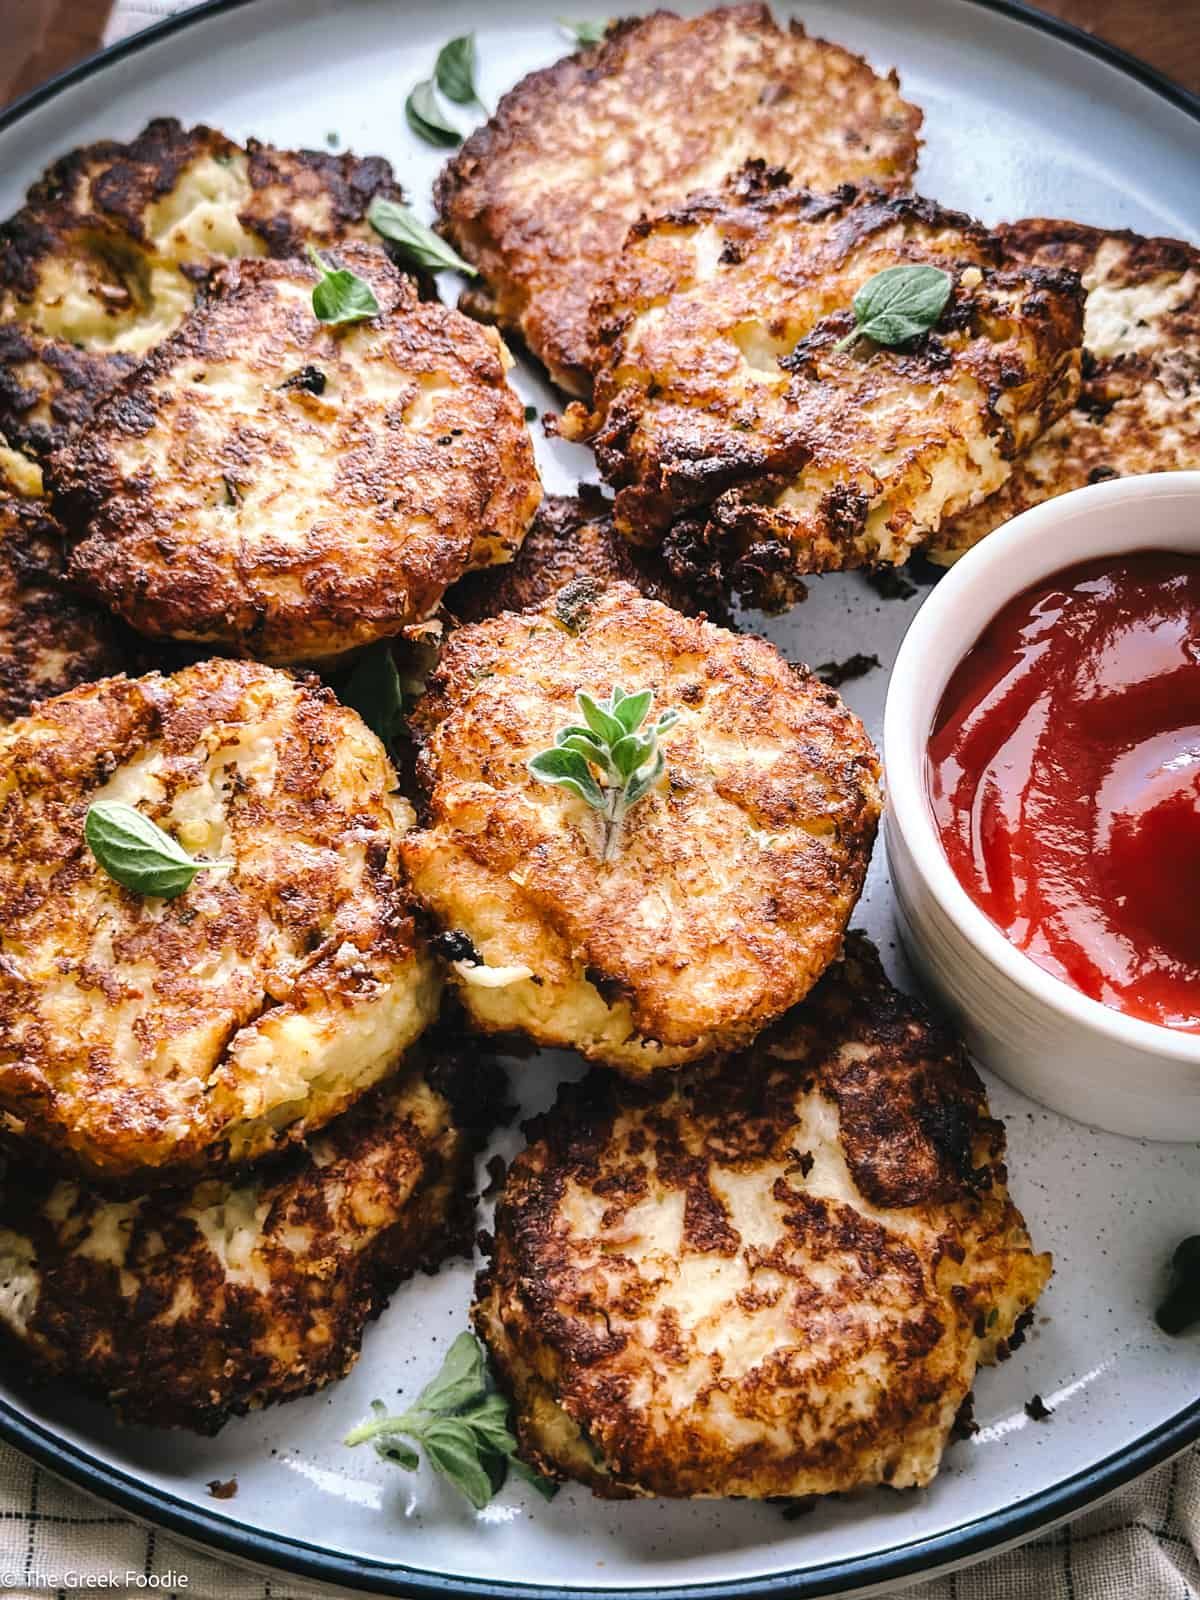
[454, 71]
[419, 244]
[610, 742]
[460, 1423]
[372, 688]
[425, 117]
[590, 30]
[138, 854]
[340, 295]
[899, 303]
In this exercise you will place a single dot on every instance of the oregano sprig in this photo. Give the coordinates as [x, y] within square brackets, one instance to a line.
[454, 71]
[137, 854]
[898, 303]
[419, 244]
[461, 1424]
[340, 295]
[611, 741]
[589, 30]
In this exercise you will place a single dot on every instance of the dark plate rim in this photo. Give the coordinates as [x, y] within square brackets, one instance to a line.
[969, 1540]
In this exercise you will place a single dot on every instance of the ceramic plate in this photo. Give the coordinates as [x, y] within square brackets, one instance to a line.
[1022, 118]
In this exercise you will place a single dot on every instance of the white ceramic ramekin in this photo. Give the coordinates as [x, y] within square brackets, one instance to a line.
[1059, 1046]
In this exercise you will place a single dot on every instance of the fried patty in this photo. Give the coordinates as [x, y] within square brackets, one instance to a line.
[104, 259]
[744, 440]
[1138, 408]
[292, 489]
[50, 638]
[540, 197]
[736, 874]
[571, 539]
[188, 1306]
[142, 1036]
[774, 1275]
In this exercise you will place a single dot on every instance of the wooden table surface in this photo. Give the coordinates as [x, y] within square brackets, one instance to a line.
[40, 37]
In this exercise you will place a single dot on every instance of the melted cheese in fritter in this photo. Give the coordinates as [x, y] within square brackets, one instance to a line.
[135, 1299]
[147, 1035]
[295, 490]
[772, 1276]
[541, 196]
[735, 877]
[1139, 405]
[724, 405]
[103, 261]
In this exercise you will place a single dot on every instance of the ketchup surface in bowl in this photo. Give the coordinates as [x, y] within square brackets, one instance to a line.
[1064, 777]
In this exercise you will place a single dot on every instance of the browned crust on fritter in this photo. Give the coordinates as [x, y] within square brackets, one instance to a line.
[735, 877]
[1138, 408]
[539, 198]
[884, 1262]
[187, 504]
[747, 444]
[571, 538]
[172, 1335]
[92, 204]
[50, 638]
[142, 1037]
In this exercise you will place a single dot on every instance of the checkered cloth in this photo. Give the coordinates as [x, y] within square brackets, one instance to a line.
[1141, 1545]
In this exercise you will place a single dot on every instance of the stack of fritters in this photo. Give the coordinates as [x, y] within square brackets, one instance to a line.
[541, 196]
[168, 1049]
[105, 258]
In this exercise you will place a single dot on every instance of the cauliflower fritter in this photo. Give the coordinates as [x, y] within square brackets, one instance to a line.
[104, 259]
[736, 873]
[188, 1306]
[541, 196]
[755, 449]
[774, 1275]
[142, 1037]
[291, 489]
[50, 639]
[1138, 408]
[571, 538]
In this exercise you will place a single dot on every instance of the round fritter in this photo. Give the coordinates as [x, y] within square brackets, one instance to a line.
[104, 258]
[540, 197]
[50, 639]
[1139, 403]
[188, 1306]
[752, 439]
[736, 873]
[571, 538]
[291, 489]
[138, 1035]
[772, 1276]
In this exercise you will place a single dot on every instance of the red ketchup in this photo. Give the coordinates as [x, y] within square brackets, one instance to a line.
[1064, 774]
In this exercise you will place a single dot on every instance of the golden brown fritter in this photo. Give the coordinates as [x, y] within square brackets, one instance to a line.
[736, 874]
[1139, 404]
[540, 197]
[748, 443]
[770, 1276]
[291, 489]
[571, 538]
[189, 1306]
[104, 258]
[50, 638]
[141, 1036]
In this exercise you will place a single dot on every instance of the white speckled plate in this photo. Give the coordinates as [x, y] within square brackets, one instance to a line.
[1022, 118]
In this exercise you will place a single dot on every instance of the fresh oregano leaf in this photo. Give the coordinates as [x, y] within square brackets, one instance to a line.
[136, 852]
[459, 1422]
[454, 70]
[588, 30]
[340, 295]
[615, 743]
[898, 304]
[416, 242]
[424, 116]
[372, 688]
